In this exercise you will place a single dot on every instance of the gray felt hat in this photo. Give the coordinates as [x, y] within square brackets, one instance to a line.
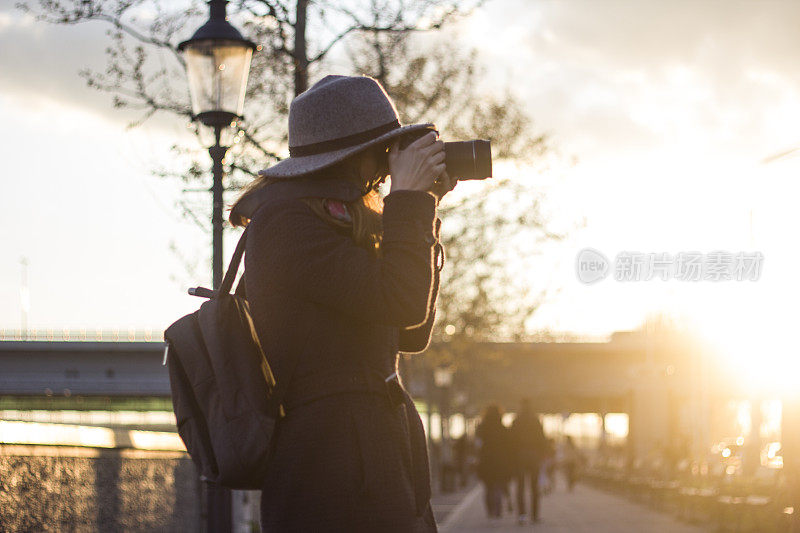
[337, 117]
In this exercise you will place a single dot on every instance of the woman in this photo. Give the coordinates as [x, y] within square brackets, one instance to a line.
[493, 459]
[336, 288]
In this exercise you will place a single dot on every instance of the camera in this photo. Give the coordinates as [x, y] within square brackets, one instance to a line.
[463, 160]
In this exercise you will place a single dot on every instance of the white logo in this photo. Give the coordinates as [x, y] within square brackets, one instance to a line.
[591, 266]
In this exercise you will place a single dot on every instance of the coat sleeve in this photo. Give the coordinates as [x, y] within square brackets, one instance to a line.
[292, 249]
[417, 339]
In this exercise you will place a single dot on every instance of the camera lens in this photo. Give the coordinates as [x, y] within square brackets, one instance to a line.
[468, 160]
[464, 160]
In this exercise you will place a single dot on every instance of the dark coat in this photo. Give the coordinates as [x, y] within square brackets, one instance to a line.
[530, 444]
[495, 453]
[354, 460]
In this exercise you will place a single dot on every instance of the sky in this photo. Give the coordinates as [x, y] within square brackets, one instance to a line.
[660, 114]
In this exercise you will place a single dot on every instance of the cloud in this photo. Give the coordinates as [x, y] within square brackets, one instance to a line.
[624, 75]
[44, 60]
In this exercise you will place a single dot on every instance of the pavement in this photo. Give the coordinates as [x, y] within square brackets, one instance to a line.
[445, 504]
[583, 510]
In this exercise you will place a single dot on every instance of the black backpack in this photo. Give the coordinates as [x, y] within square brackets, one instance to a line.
[224, 394]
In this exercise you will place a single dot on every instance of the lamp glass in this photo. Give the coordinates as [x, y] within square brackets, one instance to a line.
[218, 73]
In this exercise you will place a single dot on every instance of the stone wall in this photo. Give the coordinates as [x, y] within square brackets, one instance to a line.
[49, 488]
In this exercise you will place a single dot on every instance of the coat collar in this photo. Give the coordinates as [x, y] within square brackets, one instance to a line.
[247, 206]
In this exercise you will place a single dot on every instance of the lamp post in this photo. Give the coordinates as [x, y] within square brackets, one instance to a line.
[217, 64]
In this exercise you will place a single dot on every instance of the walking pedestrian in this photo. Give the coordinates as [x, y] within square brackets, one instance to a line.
[530, 448]
[493, 458]
[336, 288]
[547, 470]
[571, 462]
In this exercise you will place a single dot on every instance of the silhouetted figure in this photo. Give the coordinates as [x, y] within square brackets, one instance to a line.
[509, 501]
[571, 462]
[547, 469]
[493, 458]
[530, 449]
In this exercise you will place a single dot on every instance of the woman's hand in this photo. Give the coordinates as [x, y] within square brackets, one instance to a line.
[416, 167]
[443, 185]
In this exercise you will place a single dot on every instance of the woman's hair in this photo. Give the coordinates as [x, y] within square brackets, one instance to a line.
[366, 212]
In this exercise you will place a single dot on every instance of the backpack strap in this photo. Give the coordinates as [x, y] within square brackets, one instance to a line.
[233, 267]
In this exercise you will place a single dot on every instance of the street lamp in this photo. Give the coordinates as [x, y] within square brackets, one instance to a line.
[217, 63]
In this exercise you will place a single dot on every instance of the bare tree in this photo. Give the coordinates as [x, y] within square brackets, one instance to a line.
[430, 80]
